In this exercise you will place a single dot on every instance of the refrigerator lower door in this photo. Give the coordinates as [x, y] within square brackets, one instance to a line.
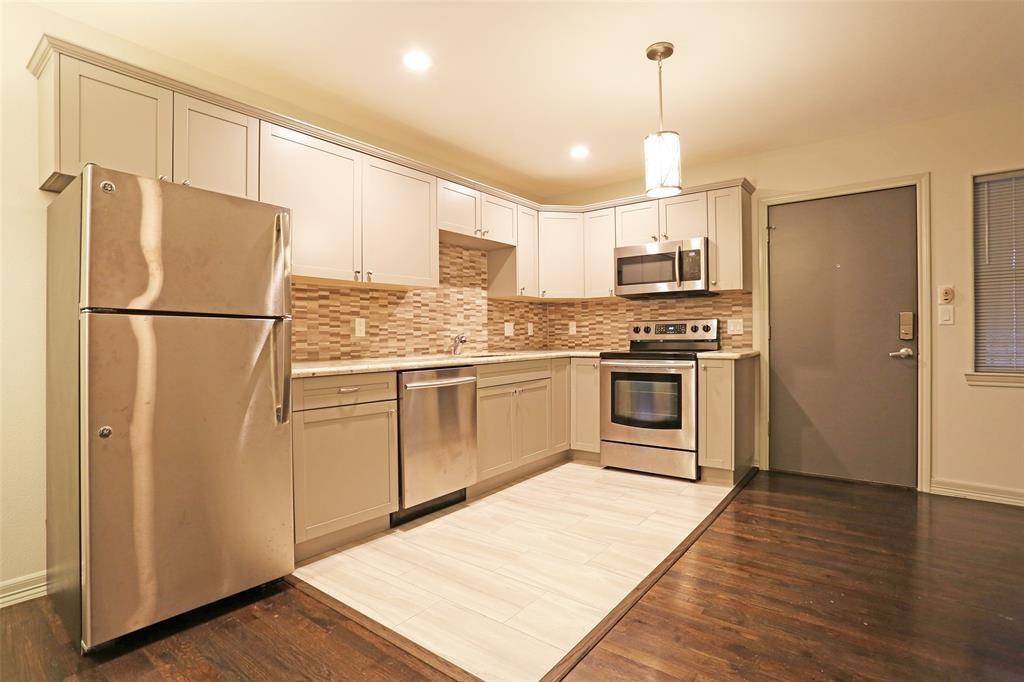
[187, 469]
[157, 246]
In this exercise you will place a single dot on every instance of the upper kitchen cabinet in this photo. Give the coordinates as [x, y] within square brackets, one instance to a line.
[93, 115]
[497, 219]
[729, 235]
[637, 224]
[400, 240]
[458, 208]
[561, 260]
[527, 226]
[216, 148]
[321, 183]
[599, 248]
[513, 272]
[684, 216]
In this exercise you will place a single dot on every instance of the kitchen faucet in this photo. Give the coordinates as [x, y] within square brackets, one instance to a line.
[457, 342]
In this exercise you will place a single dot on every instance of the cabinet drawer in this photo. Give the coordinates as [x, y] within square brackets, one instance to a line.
[512, 372]
[344, 389]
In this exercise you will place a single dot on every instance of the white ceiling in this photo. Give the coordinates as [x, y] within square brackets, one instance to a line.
[514, 85]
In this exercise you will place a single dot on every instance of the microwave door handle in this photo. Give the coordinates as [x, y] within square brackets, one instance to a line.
[679, 265]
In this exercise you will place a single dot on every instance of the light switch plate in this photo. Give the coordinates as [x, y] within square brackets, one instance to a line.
[509, 329]
[735, 326]
[572, 328]
[947, 315]
[359, 326]
[529, 328]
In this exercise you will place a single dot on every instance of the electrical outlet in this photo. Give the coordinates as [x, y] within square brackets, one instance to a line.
[947, 315]
[509, 329]
[572, 328]
[529, 328]
[359, 326]
[735, 326]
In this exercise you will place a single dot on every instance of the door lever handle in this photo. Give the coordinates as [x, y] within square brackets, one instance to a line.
[902, 353]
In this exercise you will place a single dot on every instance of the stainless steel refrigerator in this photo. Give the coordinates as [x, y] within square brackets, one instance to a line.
[169, 470]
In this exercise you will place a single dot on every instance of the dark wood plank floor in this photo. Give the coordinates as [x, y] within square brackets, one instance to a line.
[798, 578]
[810, 578]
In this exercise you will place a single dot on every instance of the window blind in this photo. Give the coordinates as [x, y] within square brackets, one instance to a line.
[999, 272]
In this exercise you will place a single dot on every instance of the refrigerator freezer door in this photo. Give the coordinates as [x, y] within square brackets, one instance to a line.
[187, 469]
[156, 246]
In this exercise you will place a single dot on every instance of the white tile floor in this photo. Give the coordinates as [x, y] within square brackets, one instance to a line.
[505, 585]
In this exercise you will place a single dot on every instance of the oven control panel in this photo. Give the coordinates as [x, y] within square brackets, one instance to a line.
[665, 330]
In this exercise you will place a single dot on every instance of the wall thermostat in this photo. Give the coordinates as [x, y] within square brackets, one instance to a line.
[946, 294]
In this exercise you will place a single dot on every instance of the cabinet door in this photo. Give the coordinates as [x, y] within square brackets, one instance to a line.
[216, 148]
[636, 224]
[114, 121]
[715, 411]
[320, 183]
[346, 466]
[684, 217]
[527, 253]
[599, 253]
[533, 420]
[495, 430]
[725, 228]
[560, 248]
[560, 404]
[458, 208]
[586, 404]
[399, 225]
[498, 219]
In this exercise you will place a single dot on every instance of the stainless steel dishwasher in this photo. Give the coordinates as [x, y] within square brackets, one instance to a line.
[437, 438]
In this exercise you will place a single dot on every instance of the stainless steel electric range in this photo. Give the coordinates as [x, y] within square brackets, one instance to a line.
[649, 397]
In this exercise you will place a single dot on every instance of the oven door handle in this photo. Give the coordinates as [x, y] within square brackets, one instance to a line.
[658, 364]
[679, 266]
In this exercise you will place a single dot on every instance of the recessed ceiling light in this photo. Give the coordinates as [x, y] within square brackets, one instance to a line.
[417, 60]
[579, 152]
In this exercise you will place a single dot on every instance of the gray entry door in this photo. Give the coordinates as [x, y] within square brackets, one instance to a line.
[841, 270]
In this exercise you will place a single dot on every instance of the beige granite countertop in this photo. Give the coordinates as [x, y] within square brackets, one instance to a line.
[314, 368]
[728, 354]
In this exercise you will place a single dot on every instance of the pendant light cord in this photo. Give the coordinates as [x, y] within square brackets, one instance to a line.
[661, 103]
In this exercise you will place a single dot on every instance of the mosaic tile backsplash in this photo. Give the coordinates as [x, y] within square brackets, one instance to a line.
[423, 321]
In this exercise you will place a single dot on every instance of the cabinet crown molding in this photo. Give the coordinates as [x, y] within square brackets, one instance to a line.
[50, 45]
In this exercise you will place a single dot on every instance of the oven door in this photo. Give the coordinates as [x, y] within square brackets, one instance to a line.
[662, 268]
[649, 402]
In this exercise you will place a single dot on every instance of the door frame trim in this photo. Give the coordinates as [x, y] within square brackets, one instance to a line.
[922, 183]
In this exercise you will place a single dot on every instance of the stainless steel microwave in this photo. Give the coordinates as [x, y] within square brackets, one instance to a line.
[662, 268]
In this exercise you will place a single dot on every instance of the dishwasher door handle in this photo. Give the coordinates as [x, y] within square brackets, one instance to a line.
[439, 384]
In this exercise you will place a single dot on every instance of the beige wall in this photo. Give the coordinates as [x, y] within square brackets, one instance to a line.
[978, 432]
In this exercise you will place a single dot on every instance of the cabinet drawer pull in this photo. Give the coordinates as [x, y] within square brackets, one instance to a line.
[349, 389]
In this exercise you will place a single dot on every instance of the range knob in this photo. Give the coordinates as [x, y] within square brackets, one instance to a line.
[694, 328]
[706, 327]
[647, 330]
[636, 330]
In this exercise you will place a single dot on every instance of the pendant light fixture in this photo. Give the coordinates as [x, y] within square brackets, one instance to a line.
[662, 164]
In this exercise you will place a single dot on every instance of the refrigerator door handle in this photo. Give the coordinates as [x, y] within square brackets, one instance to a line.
[281, 359]
[282, 254]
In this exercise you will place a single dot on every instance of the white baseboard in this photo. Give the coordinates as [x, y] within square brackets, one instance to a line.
[23, 588]
[974, 491]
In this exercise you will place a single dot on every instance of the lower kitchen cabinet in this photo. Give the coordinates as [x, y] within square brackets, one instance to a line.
[513, 425]
[726, 400]
[586, 404]
[345, 466]
[561, 401]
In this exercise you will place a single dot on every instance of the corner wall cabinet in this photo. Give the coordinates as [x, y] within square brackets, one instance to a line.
[360, 213]
[561, 259]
